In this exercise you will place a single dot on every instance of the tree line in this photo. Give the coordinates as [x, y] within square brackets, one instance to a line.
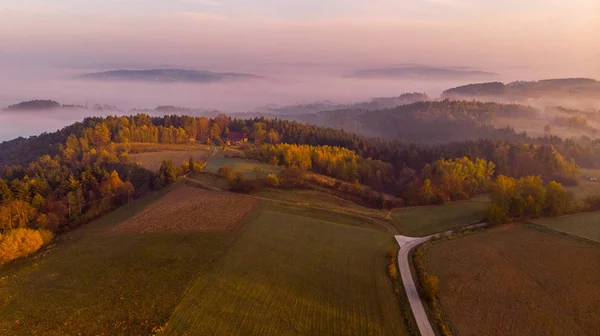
[82, 173]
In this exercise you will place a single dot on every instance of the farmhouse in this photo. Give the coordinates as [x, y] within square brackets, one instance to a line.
[236, 138]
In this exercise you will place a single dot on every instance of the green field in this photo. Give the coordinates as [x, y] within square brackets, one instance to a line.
[91, 283]
[289, 270]
[585, 225]
[289, 274]
[243, 166]
[153, 160]
[427, 220]
[322, 200]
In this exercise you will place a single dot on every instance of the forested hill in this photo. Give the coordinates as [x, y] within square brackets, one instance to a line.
[523, 90]
[167, 75]
[373, 104]
[34, 105]
[81, 172]
[428, 122]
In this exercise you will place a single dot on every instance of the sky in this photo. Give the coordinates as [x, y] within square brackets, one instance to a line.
[559, 37]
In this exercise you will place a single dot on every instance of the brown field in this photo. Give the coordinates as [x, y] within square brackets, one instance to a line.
[191, 209]
[153, 160]
[144, 147]
[518, 280]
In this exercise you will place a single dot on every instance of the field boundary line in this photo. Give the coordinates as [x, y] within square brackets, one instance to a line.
[563, 234]
[389, 227]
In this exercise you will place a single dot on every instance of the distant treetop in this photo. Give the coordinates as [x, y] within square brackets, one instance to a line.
[34, 105]
[523, 89]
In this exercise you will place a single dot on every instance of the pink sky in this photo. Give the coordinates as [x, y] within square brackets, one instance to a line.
[556, 37]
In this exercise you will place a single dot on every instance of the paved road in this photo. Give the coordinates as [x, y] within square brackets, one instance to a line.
[407, 244]
[416, 305]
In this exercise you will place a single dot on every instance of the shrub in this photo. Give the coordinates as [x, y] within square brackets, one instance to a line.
[166, 175]
[241, 185]
[498, 214]
[20, 243]
[46, 236]
[226, 172]
[198, 167]
[431, 286]
[292, 177]
[272, 181]
[184, 168]
[392, 270]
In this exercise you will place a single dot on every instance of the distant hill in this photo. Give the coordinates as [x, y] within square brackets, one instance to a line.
[524, 90]
[426, 122]
[41, 104]
[167, 76]
[373, 104]
[33, 105]
[423, 72]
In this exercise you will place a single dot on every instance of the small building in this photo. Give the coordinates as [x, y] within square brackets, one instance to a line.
[236, 138]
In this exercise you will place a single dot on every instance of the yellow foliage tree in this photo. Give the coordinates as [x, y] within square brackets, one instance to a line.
[22, 242]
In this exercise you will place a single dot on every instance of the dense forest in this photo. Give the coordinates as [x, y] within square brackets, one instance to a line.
[80, 172]
[34, 105]
[523, 90]
[57, 181]
[427, 122]
[371, 105]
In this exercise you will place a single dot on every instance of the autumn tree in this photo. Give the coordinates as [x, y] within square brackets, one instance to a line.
[166, 175]
[272, 137]
[260, 134]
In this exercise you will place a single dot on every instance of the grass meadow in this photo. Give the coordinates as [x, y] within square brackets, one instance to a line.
[322, 200]
[291, 274]
[585, 225]
[288, 270]
[517, 280]
[427, 220]
[94, 283]
[153, 160]
[238, 165]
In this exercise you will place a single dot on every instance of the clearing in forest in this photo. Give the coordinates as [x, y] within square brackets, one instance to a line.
[153, 160]
[517, 280]
[190, 209]
[427, 220]
[243, 166]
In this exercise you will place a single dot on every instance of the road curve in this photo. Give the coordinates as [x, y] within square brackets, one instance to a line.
[407, 244]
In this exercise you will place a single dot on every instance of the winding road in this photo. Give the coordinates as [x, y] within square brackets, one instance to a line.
[407, 244]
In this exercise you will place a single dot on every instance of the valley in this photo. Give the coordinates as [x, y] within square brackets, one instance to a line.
[183, 225]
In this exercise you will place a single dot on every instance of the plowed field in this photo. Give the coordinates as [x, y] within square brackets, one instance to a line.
[516, 280]
[191, 209]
